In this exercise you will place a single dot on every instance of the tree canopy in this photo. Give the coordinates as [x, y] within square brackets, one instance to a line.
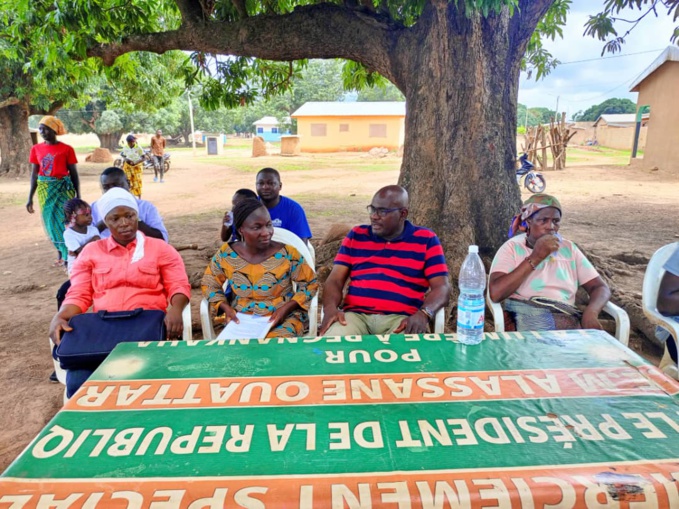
[127, 98]
[609, 106]
[457, 63]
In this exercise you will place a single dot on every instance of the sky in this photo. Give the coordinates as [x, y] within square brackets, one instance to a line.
[579, 85]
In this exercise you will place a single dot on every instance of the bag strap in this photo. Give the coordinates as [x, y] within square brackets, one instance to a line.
[119, 315]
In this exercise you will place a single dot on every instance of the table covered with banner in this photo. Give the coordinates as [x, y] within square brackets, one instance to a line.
[523, 420]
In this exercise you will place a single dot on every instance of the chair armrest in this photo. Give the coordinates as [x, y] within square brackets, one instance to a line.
[206, 320]
[667, 364]
[496, 311]
[187, 335]
[621, 321]
[61, 372]
[312, 252]
[313, 317]
[663, 321]
[439, 321]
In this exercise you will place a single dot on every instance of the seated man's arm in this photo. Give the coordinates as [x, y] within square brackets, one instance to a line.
[437, 297]
[149, 231]
[599, 295]
[668, 295]
[152, 224]
[332, 297]
[299, 224]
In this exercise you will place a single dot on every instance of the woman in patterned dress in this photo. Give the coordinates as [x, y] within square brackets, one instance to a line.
[260, 273]
[55, 177]
[538, 273]
[133, 164]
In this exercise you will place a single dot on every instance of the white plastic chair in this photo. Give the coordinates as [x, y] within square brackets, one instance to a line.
[619, 314]
[649, 300]
[285, 237]
[312, 252]
[187, 334]
[439, 321]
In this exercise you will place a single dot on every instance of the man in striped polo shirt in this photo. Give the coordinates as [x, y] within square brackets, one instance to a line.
[391, 264]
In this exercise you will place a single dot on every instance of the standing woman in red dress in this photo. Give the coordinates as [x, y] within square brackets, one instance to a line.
[55, 177]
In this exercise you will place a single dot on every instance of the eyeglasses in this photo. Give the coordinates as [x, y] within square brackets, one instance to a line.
[382, 212]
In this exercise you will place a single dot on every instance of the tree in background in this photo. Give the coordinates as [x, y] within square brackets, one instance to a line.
[30, 85]
[533, 116]
[386, 92]
[609, 106]
[124, 98]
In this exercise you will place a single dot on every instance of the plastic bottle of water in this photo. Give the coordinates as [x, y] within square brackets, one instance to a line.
[470, 305]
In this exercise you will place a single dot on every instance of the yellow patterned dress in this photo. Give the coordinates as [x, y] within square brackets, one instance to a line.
[261, 288]
[134, 173]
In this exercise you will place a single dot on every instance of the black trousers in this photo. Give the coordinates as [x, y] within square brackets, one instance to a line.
[61, 293]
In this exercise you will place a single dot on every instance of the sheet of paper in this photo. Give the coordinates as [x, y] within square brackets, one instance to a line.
[250, 326]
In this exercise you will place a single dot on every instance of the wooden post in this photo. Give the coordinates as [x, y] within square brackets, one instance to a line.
[544, 148]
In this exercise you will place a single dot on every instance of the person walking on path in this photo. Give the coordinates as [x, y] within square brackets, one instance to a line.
[133, 164]
[158, 151]
[54, 175]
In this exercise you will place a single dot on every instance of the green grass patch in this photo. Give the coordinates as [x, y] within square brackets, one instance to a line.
[86, 149]
[595, 156]
[11, 199]
[291, 165]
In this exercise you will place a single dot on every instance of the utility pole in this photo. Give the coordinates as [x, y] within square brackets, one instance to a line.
[556, 113]
[525, 122]
[193, 137]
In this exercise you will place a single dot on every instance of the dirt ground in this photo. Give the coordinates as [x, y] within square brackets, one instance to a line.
[617, 215]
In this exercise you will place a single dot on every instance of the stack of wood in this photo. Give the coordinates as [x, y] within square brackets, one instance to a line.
[554, 137]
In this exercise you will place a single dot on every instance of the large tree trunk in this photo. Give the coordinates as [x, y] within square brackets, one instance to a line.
[15, 140]
[460, 80]
[110, 141]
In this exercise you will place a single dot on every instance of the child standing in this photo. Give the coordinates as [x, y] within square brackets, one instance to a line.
[79, 229]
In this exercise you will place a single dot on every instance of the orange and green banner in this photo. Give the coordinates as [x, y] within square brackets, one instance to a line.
[563, 419]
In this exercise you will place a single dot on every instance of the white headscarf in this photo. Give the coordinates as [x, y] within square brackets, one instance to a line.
[119, 197]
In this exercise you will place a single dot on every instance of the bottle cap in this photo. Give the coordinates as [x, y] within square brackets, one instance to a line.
[473, 249]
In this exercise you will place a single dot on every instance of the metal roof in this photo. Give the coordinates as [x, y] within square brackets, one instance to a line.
[351, 109]
[670, 54]
[618, 119]
[266, 121]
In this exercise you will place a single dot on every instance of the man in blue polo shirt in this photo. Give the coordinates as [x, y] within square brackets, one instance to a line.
[284, 212]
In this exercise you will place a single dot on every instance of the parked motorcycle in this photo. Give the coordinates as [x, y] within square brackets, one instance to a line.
[533, 180]
[151, 162]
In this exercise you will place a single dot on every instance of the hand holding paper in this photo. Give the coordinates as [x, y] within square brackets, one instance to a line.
[246, 326]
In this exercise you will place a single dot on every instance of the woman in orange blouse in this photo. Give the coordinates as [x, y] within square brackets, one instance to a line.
[123, 272]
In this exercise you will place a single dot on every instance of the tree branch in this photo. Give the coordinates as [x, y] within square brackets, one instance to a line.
[12, 101]
[524, 21]
[239, 5]
[50, 110]
[312, 31]
[191, 11]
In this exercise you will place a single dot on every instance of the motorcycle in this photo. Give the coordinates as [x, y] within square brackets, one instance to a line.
[150, 161]
[532, 180]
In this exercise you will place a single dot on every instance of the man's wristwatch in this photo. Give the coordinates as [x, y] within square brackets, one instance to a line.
[428, 312]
